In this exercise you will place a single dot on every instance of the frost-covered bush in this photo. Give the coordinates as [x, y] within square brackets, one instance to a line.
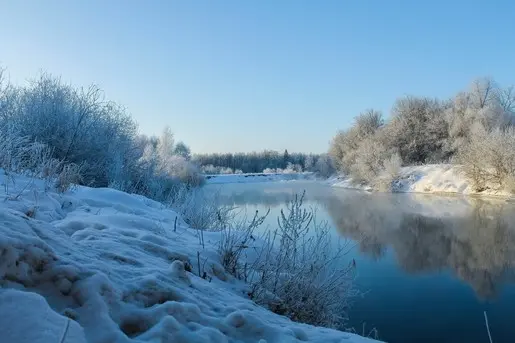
[488, 159]
[485, 105]
[345, 144]
[18, 155]
[295, 270]
[79, 125]
[237, 237]
[292, 168]
[324, 166]
[417, 129]
[211, 169]
[65, 130]
[299, 273]
[424, 130]
[201, 209]
[159, 171]
[375, 164]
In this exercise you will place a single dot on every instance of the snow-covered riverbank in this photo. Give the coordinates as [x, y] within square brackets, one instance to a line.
[431, 178]
[99, 265]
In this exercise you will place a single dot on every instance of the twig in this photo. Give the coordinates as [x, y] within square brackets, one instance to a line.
[488, 328]
[175, 225]
[198, 263]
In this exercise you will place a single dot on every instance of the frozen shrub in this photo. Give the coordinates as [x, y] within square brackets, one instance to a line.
[209, 169]
[345, 144]
[78, 125]
[50, 128]
[295, 270]
[292, 168]
[324, 166]
[200, 209]
[236, 240]
[488, 160]
[390, 173]
[269, 171]
[69, 176]
[298, 273]
[417, 129]
[183, 150]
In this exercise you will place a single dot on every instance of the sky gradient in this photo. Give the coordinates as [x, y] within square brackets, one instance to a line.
[254, 75]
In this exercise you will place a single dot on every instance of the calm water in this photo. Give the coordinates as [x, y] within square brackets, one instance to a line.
[430, 265]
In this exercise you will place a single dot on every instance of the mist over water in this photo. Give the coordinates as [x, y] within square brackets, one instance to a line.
[428, 265]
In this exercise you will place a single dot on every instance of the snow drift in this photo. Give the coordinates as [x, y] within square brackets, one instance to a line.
[100, 265]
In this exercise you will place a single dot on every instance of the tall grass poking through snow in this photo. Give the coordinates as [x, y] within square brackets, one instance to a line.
[18, 155]
[294, 270]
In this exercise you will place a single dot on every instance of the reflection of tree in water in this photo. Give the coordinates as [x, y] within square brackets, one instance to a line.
[478, 246]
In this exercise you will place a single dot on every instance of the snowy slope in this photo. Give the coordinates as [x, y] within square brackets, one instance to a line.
[99, 265]
[432, 178]
[256, 177]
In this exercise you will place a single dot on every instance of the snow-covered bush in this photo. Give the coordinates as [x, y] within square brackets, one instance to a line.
[299, 273]
[417, 129]
[295, 270]
[18, 155]
[345, 144]
[79, 125]
[484, 104]
[236, 239]
[160, 171]
[375, 164]
[390, 173]
[292, 168]
[69, 176]
[61, 130]
[488, 159]
[183, 150]
[424, 130]
[211, 169]
[324, 166]
[201, 210]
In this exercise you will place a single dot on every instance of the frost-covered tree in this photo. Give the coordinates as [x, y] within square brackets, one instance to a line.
[165, 145]
[345, 144]
[254, 162]
[81, 130]
[78, 124]
[484, 104]
[183, 150]
[488, 159]
[324, 166]
[417, 129]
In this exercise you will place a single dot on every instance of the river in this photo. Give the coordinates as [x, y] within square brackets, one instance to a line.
[428, 265]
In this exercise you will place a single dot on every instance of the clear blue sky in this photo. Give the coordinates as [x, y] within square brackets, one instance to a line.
[248, 75]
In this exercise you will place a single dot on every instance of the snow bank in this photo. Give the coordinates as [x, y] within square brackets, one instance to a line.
[99, 265]
[432, 178]
[256, 177]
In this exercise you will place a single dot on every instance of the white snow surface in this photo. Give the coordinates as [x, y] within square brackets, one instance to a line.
[103, 266]
[431, 178]
[256, 177]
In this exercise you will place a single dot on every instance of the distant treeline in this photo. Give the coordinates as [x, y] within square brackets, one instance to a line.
[268, 161]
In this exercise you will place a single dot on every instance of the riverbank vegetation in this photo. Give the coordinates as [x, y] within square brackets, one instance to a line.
[474, 130]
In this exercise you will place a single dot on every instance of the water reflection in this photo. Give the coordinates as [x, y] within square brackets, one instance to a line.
[477, 243]
[472, 238]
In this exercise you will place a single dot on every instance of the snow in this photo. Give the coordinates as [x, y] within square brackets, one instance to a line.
[99, 265]
[432, 178]
[257, 177]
